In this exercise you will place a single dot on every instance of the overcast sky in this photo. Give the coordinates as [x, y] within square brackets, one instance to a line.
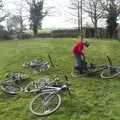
[59, 18]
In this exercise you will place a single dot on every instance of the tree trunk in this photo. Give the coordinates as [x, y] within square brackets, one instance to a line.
[96, 30]
[35, 29]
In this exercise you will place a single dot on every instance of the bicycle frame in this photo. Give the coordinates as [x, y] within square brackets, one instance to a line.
[52, 89]
[48, 88]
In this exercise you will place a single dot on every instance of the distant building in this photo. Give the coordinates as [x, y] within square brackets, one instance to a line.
[90, 32]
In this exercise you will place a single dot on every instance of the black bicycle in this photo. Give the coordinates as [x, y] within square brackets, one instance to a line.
[94, 70]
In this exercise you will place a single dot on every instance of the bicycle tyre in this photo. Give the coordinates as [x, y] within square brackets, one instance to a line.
[108, 73]
[11, 88]
[39, 107]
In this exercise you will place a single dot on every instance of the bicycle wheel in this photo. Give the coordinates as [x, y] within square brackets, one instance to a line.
[35, 85]
[45, 104]
[11, 88]
[110, 72]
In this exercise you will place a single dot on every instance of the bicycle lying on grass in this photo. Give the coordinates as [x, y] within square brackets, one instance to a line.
[104, 71]
[38, 64]
[11, 84]
[48, 99]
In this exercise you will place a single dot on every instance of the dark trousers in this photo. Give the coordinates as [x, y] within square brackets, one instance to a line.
[79, 60]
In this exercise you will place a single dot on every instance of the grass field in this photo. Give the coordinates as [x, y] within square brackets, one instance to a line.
[91, 99]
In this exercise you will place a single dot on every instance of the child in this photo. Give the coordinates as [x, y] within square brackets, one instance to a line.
[78, 51]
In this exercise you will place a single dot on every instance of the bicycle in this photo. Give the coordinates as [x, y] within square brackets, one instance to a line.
[11, 84]
[48, 99]
[38, 64]
[91, 69]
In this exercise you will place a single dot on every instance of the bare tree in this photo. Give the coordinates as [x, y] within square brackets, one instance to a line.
[77, 13]
[92, 7]
[21, 15]
[75, 6]
[95, 12]
[14, 24]
[37, 13]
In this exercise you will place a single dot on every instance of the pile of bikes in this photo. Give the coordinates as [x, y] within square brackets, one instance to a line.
[48, 99]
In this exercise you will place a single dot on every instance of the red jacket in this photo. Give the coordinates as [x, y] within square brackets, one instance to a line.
[78, 48]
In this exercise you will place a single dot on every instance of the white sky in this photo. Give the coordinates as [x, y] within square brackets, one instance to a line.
[60, 17]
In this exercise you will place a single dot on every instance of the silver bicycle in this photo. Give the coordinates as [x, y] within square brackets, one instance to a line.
[48, 99]
[38, 64]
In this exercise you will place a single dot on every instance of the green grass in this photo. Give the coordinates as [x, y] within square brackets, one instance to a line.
[91, 99]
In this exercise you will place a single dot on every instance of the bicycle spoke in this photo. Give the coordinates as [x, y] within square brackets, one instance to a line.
[44, 104]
